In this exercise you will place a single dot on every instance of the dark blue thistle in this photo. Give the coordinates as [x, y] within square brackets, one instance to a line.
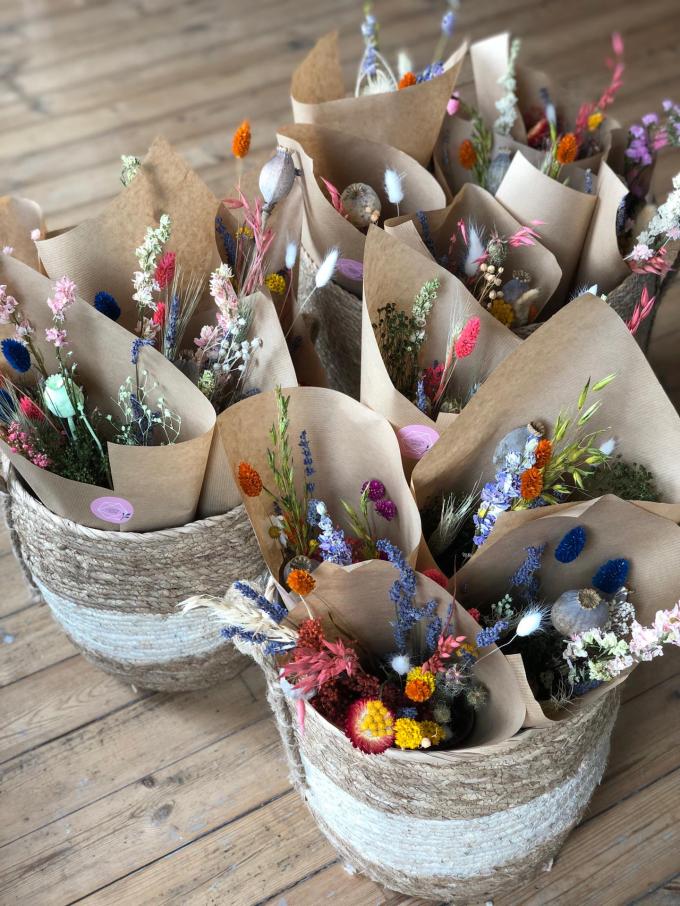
[307, 460]
[274, 610]
[571, 545]
[491, 634]
[7, 410]
[107, 305]
[136, 349]
[611, 576]
[18, 357]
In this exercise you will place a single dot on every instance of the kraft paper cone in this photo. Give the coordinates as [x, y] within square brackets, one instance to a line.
[545, 375]
[162, 484]
[475, 205]
[272, 366]
[349, 444]
[614, 528]
[601, 263]
[358, 600]
[99, 254]
[566, 214]
[343, 159]
[18, 218]
[409, 119]
[394, 272]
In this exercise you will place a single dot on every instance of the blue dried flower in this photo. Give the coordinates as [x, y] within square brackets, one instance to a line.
[421, 398]
[431, 72]
[7, 410]
[571, 545]
[491, 634]
[448, 23]
[426, 233]
[171, 327]
[107, 305]
[402, 594]
[434, 630]
[273, 609]
[333, 546]
[408, 712]
[526, 577]
[18, 357]
[611, 576]
[228, 242]
[307, 460]
[136, 348]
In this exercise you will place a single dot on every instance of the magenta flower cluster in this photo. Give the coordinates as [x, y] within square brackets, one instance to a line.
[375, 491]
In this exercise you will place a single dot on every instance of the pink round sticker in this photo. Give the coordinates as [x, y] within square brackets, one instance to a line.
[112, 509]
[416, 440]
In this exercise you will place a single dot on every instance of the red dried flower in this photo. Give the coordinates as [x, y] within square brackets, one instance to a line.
[474, 613]
[432, 378]
[466, 342]
[310, 635]
[370, 726]
[165, 269]
[31, 410]
[437, 576]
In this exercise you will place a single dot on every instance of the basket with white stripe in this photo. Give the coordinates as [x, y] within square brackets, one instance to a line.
[115, 594]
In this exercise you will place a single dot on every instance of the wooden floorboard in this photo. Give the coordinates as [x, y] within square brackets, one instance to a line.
[111, 795]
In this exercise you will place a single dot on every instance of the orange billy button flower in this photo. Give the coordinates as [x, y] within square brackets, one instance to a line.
[407, 80]
[567, 149]
[301, 582]
[249, 479]
[467, 154]
[544, 450]
[531, 483]
[240, 144]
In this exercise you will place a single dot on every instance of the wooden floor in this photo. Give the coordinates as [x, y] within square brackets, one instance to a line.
[110, 795]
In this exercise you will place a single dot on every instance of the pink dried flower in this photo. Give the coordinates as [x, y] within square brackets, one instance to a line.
[312, 668]
[7, 250]
[56, 337]
[475, 614]
[35, 235]
[64, 297]
[523, 237]
[8, 305]
[159, 315]
[387, 509]
[165, 269]
[446, 645]
[642, 309]
[467, 340]
[453, 105]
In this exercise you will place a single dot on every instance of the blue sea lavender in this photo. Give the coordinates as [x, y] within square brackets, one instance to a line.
[402, 595]
[526, 577]
[333, 545]
[303, 444]
[491, 634]
[273, 609]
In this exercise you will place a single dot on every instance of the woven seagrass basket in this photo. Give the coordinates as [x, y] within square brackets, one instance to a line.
[115, 594]
[457, 829]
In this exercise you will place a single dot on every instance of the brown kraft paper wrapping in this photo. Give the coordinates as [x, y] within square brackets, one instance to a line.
[18, 218]
[99, 254]
[163, 484]
[409, 119]
[357, 597]
[349, 444]
[473, 204]
[394, 272]
[546, 375]
[614, 528]
[601, 263]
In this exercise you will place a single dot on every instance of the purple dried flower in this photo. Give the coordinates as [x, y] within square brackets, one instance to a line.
[376, 489]
[387, 509]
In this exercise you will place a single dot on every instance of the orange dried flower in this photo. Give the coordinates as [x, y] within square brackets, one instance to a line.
[408, 79]
[567, 149]
[301, 581]
[543, 453]
[420, 684]
[240, 144]
[467, 154]
[531, 483]
[249, 479]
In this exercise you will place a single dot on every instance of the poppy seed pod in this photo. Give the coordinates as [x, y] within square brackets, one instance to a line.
[61, 399]
[277, 177]
[578, 610]
[361, 204]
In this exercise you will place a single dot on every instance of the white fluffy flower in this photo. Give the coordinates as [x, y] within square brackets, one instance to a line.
[325, 272]
[530, 622]
[291, 255]
[393, 186]
[400, 663]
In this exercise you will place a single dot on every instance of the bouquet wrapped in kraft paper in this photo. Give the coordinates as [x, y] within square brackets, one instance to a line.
[399, 757]
[500, 261]
[21, 224]
[321, 479]
[113, 442]
[574, 413]
[426, 343]
[151, 262]
[608, 574]
[343, 187]
[512, 113]
[407, 118]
